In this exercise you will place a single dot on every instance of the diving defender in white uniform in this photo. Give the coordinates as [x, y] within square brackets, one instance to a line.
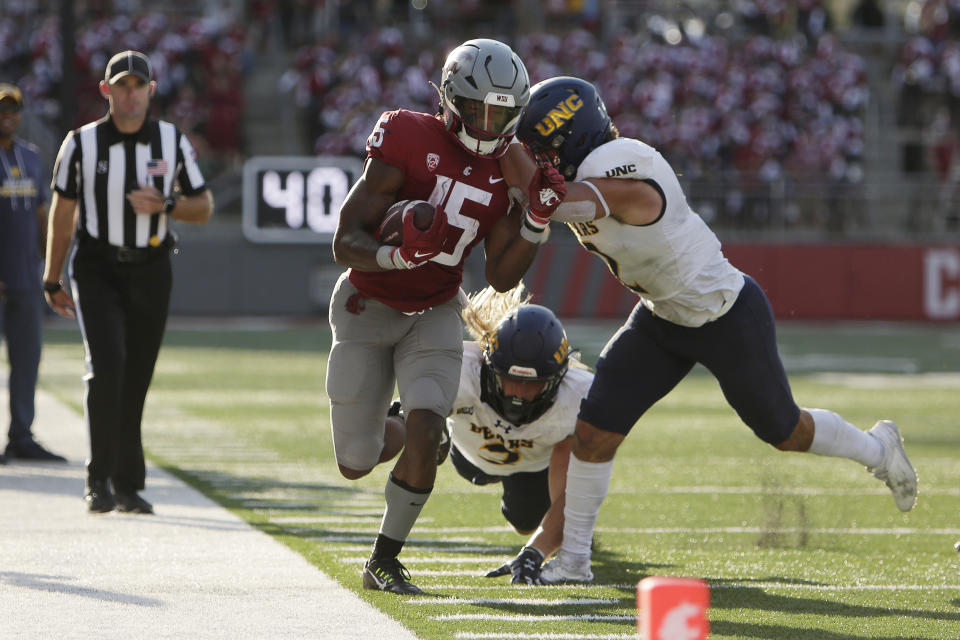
[512, 422]
[513, 419]
[625, 204]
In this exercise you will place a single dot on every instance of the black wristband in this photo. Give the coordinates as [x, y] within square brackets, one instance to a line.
[168, 205]
[53, 287]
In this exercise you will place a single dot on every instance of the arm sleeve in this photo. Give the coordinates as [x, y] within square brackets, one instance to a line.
[188, 171]
[66, 168]
[390, 139]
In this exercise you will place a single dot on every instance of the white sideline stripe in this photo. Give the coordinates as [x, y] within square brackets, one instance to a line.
[589, 617]
[755, 585]
[304, 519]
[359, 518]
[427, 548]
[437, 573]
[792, 491]
[414, 560]
[843, 587]
[532, 602]
[345, 548]
[866, 531]
[894, 531]
[418, 548]
[470, 635]
[448, 530]
[315, 505]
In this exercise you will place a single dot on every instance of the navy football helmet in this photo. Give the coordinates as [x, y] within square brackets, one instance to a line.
[565, 120]
[529, 345]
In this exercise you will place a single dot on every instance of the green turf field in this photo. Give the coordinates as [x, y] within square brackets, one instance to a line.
[793, 546]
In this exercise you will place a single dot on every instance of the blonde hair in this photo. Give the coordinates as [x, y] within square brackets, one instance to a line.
[487, 307]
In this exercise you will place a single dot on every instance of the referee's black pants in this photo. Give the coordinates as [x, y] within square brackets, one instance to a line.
[122, 310]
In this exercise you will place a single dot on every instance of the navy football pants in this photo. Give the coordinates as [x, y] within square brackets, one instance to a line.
[649, 356]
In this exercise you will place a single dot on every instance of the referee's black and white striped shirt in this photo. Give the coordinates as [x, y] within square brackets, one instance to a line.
[98, 166]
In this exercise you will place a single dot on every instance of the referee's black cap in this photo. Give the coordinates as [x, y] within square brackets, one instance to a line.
[125, 63]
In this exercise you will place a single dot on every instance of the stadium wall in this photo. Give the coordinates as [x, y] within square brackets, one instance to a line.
[811, 281]
[223, 274]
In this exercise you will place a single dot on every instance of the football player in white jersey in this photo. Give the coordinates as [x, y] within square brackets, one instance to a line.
[625, 204]
[513, 419]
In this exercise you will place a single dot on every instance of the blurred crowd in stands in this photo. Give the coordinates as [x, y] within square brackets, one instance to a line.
[927, 77]
[198, 59]
[740, 97]
[746, 98]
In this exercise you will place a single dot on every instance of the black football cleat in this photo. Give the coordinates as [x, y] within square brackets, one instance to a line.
[131, 502]
[388, 574]
[99, 498]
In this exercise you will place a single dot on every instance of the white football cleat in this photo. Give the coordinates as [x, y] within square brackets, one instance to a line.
[895, 469]
[566, 568]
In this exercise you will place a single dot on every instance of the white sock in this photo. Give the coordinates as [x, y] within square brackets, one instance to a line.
[834, 436]
[587, 484]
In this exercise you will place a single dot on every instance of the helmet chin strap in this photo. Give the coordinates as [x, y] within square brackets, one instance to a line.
[483, 147]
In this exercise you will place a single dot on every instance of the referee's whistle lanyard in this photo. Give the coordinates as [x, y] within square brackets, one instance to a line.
[10, 177]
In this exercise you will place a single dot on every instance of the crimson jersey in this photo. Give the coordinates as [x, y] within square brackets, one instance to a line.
[470, 189]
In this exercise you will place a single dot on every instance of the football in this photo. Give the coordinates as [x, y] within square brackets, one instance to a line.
[390, 230]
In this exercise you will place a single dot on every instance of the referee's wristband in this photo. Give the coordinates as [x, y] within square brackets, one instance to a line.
[53, 287]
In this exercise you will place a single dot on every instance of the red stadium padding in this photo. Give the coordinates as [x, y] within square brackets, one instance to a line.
[810, 282]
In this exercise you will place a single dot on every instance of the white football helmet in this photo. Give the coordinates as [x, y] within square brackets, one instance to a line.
[484, 88]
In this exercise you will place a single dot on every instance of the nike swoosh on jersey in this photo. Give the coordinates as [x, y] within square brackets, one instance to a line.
[417, 254]
[494, 180]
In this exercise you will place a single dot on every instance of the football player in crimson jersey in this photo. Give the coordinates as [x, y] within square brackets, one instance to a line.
[625, 204]
[395, 313]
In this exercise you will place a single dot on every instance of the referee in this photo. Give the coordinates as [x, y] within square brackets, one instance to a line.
[114, 180]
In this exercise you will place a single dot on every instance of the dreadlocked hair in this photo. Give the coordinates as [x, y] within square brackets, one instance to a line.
[487, 307]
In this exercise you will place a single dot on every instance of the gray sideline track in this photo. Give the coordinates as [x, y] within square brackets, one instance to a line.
[193, 571]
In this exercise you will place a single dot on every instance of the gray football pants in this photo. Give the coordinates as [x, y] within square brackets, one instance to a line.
[376, 346]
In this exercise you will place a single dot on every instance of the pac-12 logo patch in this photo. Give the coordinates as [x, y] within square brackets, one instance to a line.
[433, 161]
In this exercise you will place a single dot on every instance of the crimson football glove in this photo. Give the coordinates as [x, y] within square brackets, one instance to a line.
[544, 194]
[419, 246]
[524, 569]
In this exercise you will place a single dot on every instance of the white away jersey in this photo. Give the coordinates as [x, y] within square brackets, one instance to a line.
[675, 263]
[494, 445]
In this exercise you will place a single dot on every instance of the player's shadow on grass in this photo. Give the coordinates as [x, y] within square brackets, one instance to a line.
[736, 597]
[728, 629]
[224, 488]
